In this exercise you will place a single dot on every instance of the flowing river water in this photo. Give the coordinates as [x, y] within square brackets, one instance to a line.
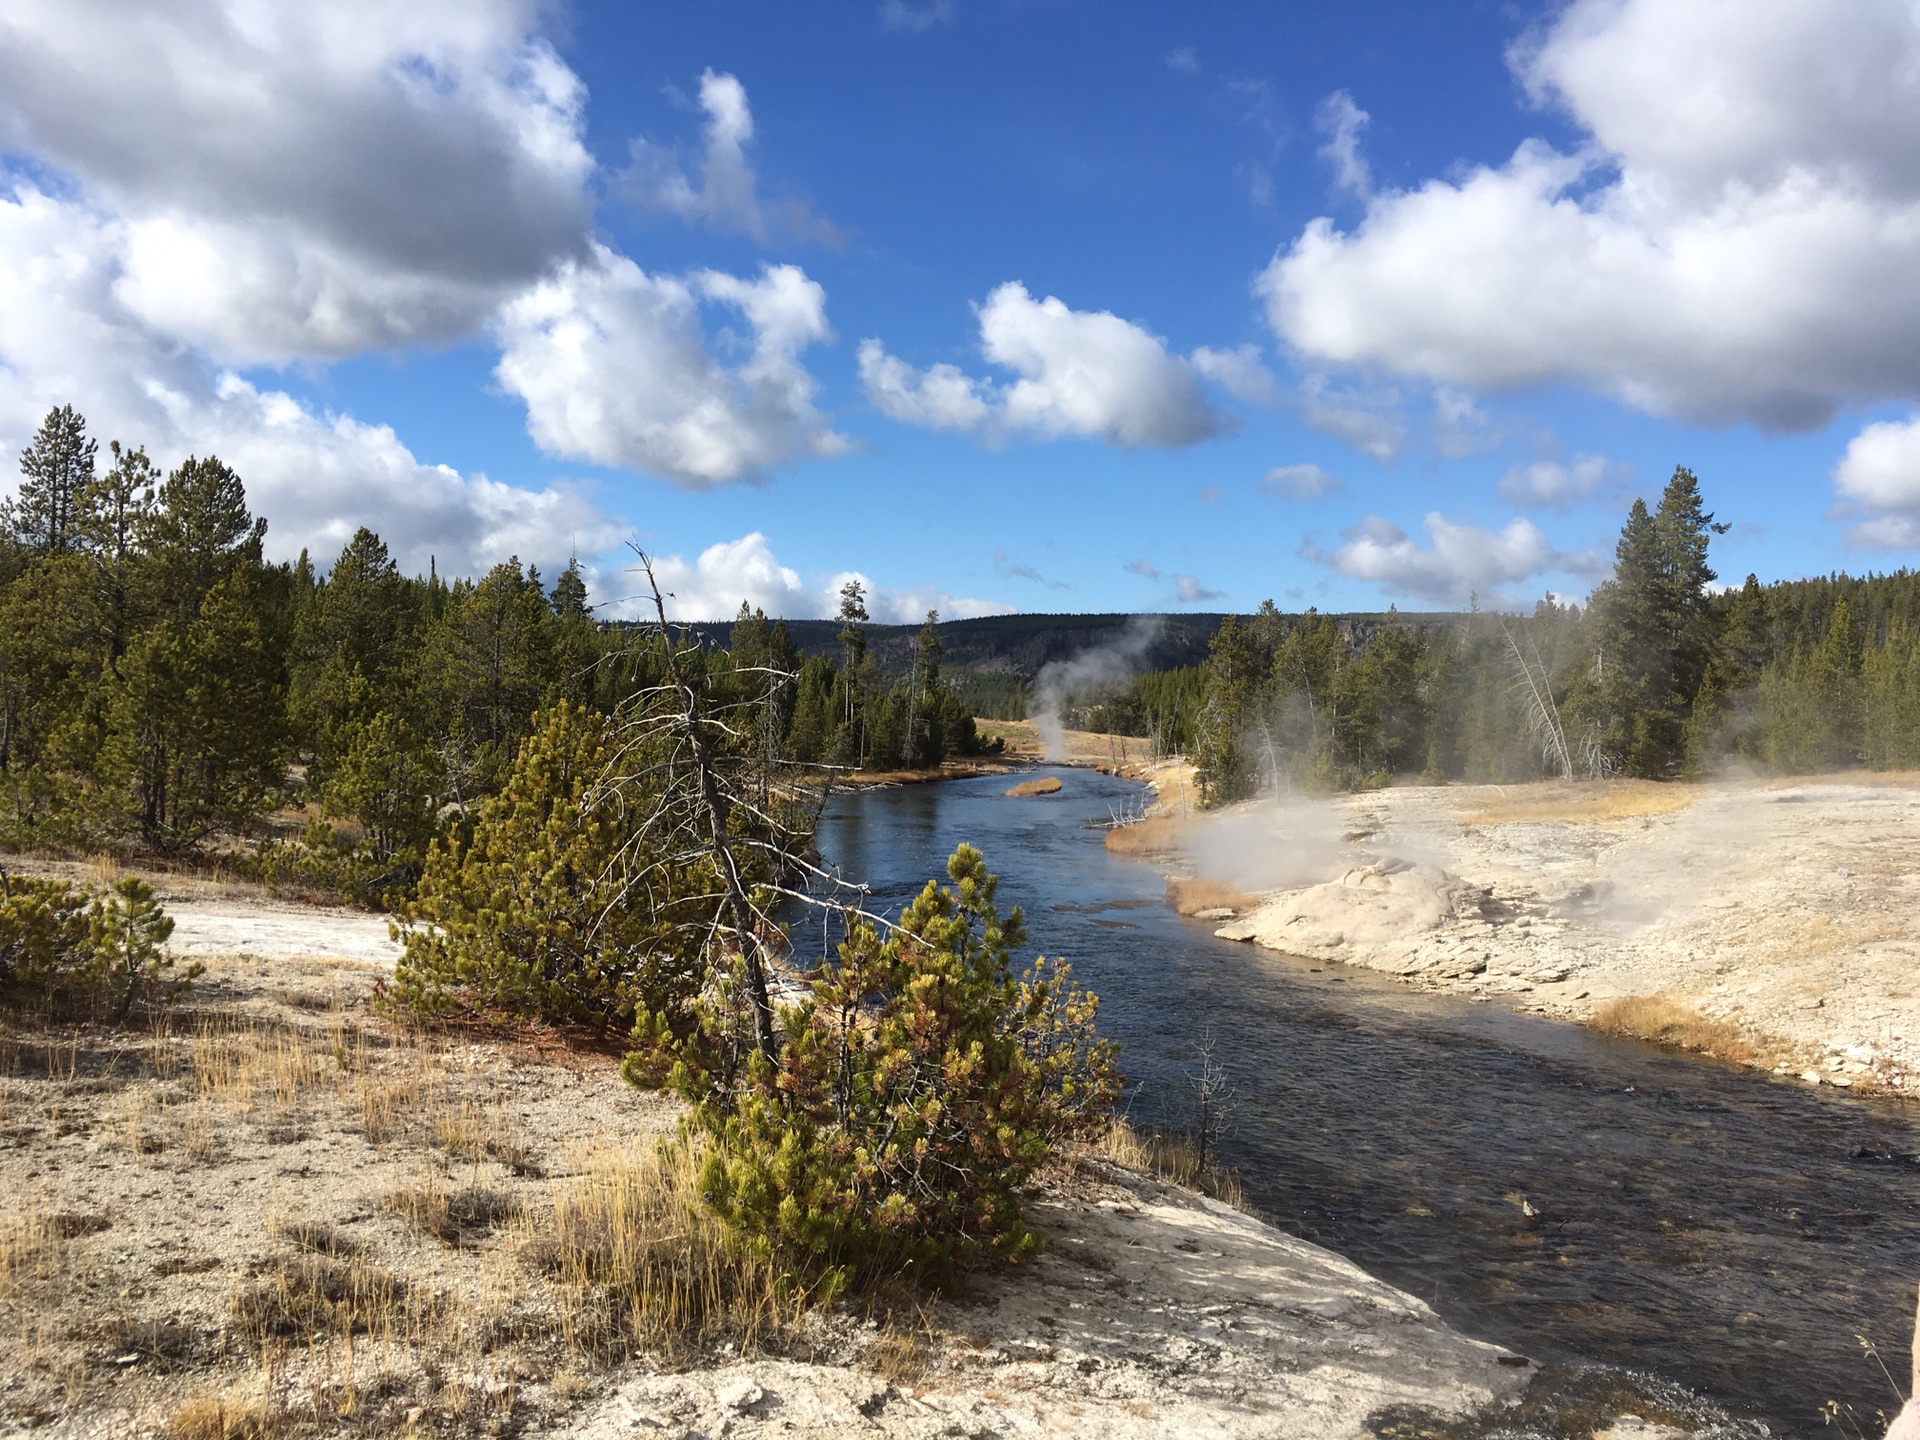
[1709, 1239]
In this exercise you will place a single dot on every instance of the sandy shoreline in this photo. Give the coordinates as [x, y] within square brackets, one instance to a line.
[1787, 911]
[172, 1186]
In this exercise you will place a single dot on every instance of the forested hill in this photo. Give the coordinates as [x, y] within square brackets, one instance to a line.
[1016, 645]
[993, 662]
[1020, 646]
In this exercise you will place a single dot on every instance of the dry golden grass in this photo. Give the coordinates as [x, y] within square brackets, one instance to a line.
[1823, 935]
[1665, 1020]
[1190, 896]
[640, 1258]
[1593, 802]
[1171, 1158]
[902, 1354]
[452, 1216]
[31, 1248]
[1161, 835]
[250, 1064]
[216, 1417]
[308, 1299]
[1045, 785]
[483, 1132]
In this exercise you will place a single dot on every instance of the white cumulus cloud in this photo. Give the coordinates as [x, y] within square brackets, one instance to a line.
[728, 196]
[1341, 121]
[714, 583]
[1558, 484]
[1299, 482]
[1369, 422]
[914, 19]
[1737, 238]
[1878, 479]
[216, 184]
[1078, 372]
[1462, 560]
[614, 368]
[67, 338]
[306, 181]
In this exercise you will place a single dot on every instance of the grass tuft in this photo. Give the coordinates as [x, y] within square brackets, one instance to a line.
[453, 1216]
[1189, 896]
[215, 1417]
[1665, 1020]
[1161, 835]
[1172, 1158]
[1591, 802]
[310, 1298]
[640, 1259]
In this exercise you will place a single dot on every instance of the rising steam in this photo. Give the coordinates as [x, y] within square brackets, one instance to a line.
[1105, 666]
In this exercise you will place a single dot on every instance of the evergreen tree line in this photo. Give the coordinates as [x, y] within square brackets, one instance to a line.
[163, 685]
[1661, 675]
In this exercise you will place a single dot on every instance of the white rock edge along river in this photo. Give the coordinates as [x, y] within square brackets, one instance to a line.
[1153, 1312]
[1791, 910]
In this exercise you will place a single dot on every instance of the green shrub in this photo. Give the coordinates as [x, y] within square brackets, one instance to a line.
[127, 930]
[921, 1084]
[539, 916]
[102, 951]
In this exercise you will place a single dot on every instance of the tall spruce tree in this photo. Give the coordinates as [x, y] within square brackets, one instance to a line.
[56, 471]
[1654, 633]
[112, 511]
[199, 532]
[570, 594]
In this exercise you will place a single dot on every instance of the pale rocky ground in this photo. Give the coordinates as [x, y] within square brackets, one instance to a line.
[151, 1176]
[1789, 909]
[1155, 1312]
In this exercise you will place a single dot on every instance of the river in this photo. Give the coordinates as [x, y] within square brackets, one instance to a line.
[1697, 1232]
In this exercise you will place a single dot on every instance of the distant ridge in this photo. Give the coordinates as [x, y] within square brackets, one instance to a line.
[1018, 646]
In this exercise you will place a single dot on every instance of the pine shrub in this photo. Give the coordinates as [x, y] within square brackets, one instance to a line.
[101, 951]
[920, 1085]
[537, 916]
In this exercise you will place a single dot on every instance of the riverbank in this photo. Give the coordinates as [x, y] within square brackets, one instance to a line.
[1775, 924]
[277, 1214]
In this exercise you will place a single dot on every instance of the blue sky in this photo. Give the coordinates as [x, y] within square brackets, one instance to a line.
[994, 303]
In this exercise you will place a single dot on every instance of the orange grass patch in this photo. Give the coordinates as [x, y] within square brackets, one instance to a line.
[1045, 785]
[1665, 1020]
[1189, 896]
[1160, 836]
[1593, 802]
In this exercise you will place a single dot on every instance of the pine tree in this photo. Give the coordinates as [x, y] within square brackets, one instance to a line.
[56, 470]
[850, 744]
[1654, 633]
[570, 594]
[113, 512]
[196, 722]
[199, 532]
[1236, 673]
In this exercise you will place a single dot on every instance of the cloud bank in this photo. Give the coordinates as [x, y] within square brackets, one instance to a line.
[202, 189]
[1878, 478]
[614, 368]
[1461, 562]
[1084, 373]
[714, 583]
[1735, 238]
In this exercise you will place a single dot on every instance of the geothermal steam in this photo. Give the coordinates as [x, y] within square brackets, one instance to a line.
[1102, 667]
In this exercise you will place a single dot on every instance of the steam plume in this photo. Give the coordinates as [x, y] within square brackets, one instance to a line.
[1105, 666]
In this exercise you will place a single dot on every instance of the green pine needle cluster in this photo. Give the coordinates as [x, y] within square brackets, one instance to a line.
[921, 1083]
[98, 952]
[530, 919]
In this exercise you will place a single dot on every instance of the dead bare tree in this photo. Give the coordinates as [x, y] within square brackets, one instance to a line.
[1215, 1099]
[1536, 692]
[700, 791]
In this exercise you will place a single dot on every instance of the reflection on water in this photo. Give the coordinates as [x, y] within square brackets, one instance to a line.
[1712, 1228]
